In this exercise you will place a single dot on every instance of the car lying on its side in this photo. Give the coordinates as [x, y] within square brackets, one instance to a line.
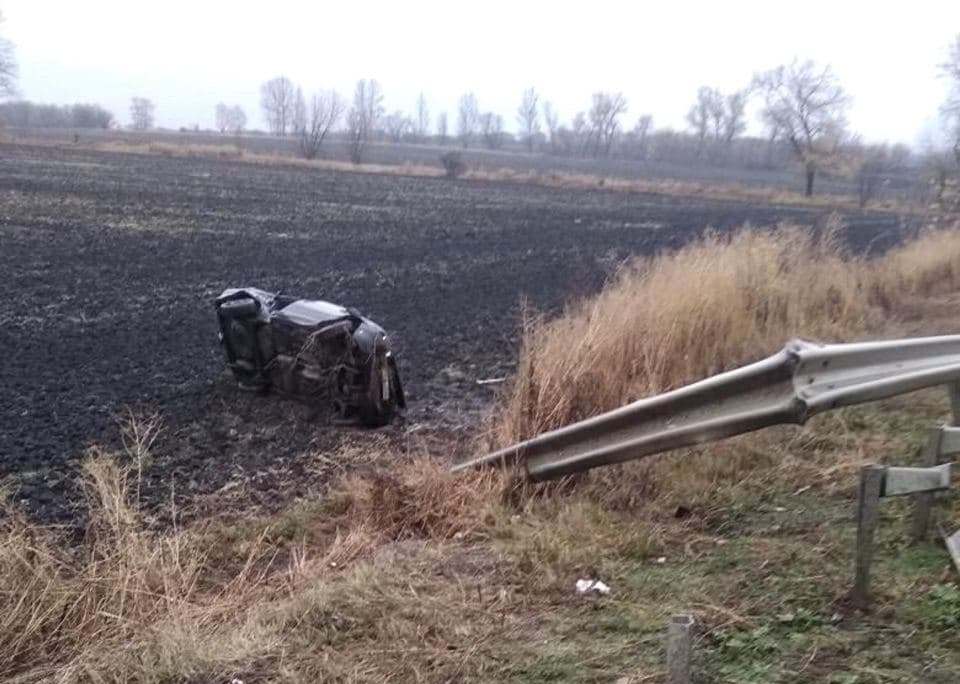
[311, 349]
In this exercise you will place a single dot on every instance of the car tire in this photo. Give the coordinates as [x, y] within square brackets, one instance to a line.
[378, 410]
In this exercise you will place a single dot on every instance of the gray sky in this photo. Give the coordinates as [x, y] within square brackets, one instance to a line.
[187, 56]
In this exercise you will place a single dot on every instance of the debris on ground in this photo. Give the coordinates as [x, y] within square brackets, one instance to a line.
[589, 586]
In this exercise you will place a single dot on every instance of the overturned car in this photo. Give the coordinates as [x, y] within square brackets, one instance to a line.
[311, 349]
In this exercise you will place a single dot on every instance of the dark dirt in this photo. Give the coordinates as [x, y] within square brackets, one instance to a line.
[110, 263]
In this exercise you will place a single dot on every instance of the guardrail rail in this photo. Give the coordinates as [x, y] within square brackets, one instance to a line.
[801, 381]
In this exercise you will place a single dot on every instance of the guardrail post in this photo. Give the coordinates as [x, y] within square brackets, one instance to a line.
[679, 648]
[923, 502]
[868, 505]
[954, 390]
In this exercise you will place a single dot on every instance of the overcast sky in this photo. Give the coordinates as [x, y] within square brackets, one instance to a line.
[187, 56]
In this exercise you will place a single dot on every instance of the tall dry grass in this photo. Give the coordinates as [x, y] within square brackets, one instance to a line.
[58, 597]
[713, 305]
[128, 603]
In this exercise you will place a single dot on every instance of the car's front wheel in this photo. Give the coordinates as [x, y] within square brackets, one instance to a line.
[383, 392]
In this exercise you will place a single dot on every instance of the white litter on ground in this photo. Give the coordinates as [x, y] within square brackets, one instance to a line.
[588, 586]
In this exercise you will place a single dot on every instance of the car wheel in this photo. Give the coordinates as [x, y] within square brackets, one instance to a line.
[381, 395]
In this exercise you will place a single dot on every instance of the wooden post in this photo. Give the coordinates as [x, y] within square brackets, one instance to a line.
[868, 505]
[679, 648]
[923, 502]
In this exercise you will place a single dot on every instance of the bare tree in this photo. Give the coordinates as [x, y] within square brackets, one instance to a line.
[422, 124]
[640, 136]
[872, 165]
[951, 108]
[528, 116]
[553, 124]
[141, 114]
[605, 121]
[442, 132]
[8, 67]
[467, 118]
[805, 105]
[222, 117]
[363, 117]
[230, 119]
[277, 99]
[320, 116]
[491, 130]
[579, 135]
[701, 113]
[397, 126]
[717, 119]
[298, 122]
[237, 120]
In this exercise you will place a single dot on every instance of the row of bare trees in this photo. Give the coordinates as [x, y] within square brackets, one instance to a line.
[803, 106]
[311, 120]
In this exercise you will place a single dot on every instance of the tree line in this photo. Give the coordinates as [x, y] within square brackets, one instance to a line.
[802, 109]
[30, 115]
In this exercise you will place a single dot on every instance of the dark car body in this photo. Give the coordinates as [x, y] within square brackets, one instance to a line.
[312, 349]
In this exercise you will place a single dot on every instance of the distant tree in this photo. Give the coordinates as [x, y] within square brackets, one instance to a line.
[604, 120]
[579, 135]
[141, 114]
[321, 115]
[422, 123]
[8, 67]
[230, 119]
[872, 166]
[442, 133]
[552, 120]
[716, 119]
[298, 122]
[640, 137]
[698, 117]
[363, 117]
[278, 100]
[397, 126]
[467, 119]
[30, 115]
[491, 130]
[222, 117]
[528, 117]
[951, 108]
[90, 116]
[237, 120]
[805, 105]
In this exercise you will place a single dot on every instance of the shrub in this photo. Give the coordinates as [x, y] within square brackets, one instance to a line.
[453, 164]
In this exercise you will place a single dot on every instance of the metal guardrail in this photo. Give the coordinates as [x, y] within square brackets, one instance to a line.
[790, 387]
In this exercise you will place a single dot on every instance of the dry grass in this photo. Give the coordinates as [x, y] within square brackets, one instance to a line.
[127, 603]
[414, 574]
[711, 306]
[234, 153]
[686, 189]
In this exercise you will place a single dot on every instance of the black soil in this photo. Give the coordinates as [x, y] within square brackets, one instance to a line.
[110, 263]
